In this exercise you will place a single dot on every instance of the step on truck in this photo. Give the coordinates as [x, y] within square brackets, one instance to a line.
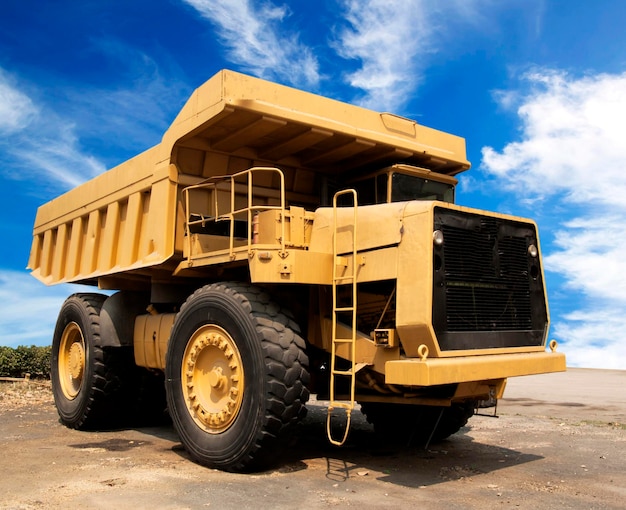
[277, 243]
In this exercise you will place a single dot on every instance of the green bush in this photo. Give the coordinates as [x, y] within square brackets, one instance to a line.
[23, 360]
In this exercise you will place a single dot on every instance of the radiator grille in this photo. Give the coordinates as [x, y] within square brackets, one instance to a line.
[485, 282]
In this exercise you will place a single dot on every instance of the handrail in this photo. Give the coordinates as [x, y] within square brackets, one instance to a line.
[250, 209]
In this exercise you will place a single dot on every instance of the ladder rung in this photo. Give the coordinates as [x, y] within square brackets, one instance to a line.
[345, 309]
[341, 278]
[343, 372]
[342, 340]
[340, 405]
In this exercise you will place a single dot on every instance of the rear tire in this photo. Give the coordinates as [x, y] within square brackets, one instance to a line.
[236, 376]
[84, 376]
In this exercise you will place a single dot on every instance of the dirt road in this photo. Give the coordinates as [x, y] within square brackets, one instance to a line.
[559, 442]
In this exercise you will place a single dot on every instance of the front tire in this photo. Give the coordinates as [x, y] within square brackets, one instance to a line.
[236, 376]
[407, 424]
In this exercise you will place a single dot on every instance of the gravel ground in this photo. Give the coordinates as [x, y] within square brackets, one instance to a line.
[17, 395]
[559, 442]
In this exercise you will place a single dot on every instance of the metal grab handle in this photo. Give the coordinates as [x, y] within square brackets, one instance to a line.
[329, 432]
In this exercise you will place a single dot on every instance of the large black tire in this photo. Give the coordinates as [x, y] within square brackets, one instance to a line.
[85, 377]
[416, 425]
[236, 376]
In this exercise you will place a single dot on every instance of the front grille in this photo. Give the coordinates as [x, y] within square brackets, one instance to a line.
[487, 290]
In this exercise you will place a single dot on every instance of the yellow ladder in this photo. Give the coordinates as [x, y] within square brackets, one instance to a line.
[347, 277]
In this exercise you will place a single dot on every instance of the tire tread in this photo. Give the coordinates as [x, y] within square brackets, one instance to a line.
[286, 372]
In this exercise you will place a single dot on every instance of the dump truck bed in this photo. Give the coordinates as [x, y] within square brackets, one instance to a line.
[127, 221]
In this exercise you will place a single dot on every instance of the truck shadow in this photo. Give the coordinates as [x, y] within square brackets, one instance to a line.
[366, 454]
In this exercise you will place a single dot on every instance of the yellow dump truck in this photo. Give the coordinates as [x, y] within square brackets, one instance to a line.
[277, 243]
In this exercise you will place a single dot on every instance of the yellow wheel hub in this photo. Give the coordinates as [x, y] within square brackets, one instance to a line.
[72, 360]
[212, 378]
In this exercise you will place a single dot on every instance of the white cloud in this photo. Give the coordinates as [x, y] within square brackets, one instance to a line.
[57, 158]
[259, 42]
[395, 41]
[572, 129]
[16, 108]
[46, 142]
[37, 143]
[595, 339]
[572, 155]
[389, 37]
[591, 253]
[29, 308]
[387, 44]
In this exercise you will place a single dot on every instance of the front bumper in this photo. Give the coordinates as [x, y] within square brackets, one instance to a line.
[436, 371]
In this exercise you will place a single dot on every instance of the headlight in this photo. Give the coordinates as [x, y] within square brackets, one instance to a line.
[438, 238]
[532, 251]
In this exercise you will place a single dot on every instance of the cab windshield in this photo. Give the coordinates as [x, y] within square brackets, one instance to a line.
[404, 187]
[409, 187]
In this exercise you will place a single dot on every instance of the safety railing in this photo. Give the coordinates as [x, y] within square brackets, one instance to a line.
[234, 184]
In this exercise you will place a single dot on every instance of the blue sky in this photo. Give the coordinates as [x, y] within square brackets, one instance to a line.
[537, 87]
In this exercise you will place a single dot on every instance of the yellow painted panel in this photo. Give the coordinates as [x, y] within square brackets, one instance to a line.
[101, 236]
[129, 235]
[139, 341]
[114, 185]
[60, 250]
[161, 224]
[297, 267]
[46, 253]
[379, 225]
[110, 237]
[151, 336]
[35, 252]
[228, 93]
[89, 256]
[72, 267]
[145, 243]
[436, 371]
